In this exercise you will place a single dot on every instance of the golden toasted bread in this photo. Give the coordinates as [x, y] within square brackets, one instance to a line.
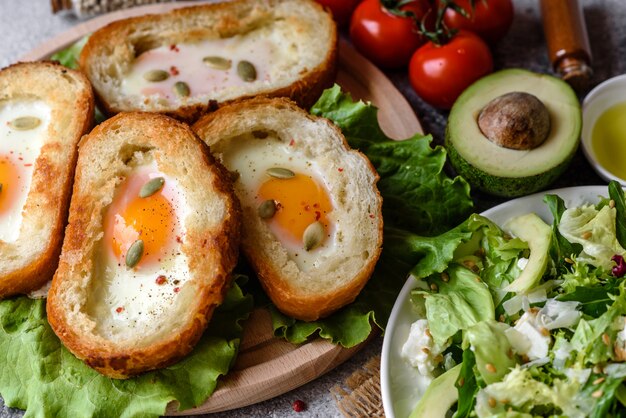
[152, 239]
[312, 225]
[44, 111]
[192, 60]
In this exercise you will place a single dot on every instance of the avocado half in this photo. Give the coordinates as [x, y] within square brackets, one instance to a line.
[510, 172]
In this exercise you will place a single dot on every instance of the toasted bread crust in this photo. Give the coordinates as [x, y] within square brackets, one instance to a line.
[71, 99]
[289, 297]
[223, 19]
[211, 245]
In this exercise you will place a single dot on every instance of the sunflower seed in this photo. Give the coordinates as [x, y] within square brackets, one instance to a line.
[181, 89]
[25, 123]
[313, 235]
[267, 209]
[217, 63]
[151, 187]
[156, 75]
[280, 173]
[246, 71]
[134, 254]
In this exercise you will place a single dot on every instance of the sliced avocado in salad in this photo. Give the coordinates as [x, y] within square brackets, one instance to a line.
[440, 396]
[513, 132]
[538, 235]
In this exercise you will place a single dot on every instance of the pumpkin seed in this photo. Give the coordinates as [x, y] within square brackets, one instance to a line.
[246, 71]
[280, 173]
[217, 63]
[313, 235]
[181, 88]
[151, 187]
[134, 254]
[267, 209]
[25, 123]
[156, 75]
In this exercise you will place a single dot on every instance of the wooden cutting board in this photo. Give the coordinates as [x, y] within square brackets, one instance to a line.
[268, 366]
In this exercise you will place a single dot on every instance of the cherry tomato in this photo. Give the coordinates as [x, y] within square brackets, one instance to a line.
[341, 9]
[386, 39]
[491, 19]
[440, 73]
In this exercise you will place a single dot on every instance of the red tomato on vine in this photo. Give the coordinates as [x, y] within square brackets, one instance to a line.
[385, 37]
[341, 9]
[489, 19]
[440, 73]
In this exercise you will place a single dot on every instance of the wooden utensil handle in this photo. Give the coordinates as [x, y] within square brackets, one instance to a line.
[568, 44]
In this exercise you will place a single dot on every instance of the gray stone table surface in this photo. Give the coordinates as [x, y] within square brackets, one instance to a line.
[25, 24]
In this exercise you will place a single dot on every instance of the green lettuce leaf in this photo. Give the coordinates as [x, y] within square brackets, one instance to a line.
[492, 349]
[455, 303]
[38, 374]
[560, 247]
[418, 199]
[68, 57]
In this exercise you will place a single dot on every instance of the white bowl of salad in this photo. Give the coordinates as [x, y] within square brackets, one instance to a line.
[514, 314]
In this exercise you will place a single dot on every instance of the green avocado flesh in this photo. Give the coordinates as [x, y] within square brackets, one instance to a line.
[508, 172]
[537, 234]
[439, 397]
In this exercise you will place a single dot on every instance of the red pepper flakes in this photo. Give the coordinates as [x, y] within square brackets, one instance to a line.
[372, 215]
[27, 165]
[340, 169]
[161, 280]
[174, 71]
[318, 215]
[119, 309]
[179, 239]
[176, 289]
[173, 47]
[292, 143]
[298, 405]
[307, 208]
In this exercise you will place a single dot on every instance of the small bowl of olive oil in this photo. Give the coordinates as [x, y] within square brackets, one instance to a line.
[604, 129]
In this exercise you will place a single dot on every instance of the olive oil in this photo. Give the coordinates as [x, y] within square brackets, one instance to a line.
[608, 140]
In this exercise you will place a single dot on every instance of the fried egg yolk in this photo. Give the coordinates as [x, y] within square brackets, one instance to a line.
[151, 219]
[300, 201]
[10, 180]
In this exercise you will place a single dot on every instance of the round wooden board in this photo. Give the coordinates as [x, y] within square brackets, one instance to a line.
[268, 366]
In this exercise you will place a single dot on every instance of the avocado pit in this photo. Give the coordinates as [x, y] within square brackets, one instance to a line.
[515, 120]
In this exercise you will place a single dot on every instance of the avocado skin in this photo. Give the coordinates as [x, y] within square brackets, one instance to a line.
[504, 186]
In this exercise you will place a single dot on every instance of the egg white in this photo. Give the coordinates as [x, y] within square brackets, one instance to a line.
[23, 148]
[130, 301]
[251, 157]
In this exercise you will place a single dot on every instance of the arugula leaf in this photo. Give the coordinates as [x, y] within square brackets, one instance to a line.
[466, 386]
[617, 195]
[418, 199]
[560, 247]
[594, 301]
[37, 373]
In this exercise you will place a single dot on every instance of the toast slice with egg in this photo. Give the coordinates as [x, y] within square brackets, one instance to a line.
[194, 59]
[152, 239]
[312, 226]
[44, 111]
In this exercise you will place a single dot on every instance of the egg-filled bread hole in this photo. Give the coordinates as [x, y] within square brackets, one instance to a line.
[300, 202]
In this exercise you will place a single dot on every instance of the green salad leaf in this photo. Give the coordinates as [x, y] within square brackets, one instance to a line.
[457, 302]
[68, 57]
[466, 386]
[38, 374]
[616, 193]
